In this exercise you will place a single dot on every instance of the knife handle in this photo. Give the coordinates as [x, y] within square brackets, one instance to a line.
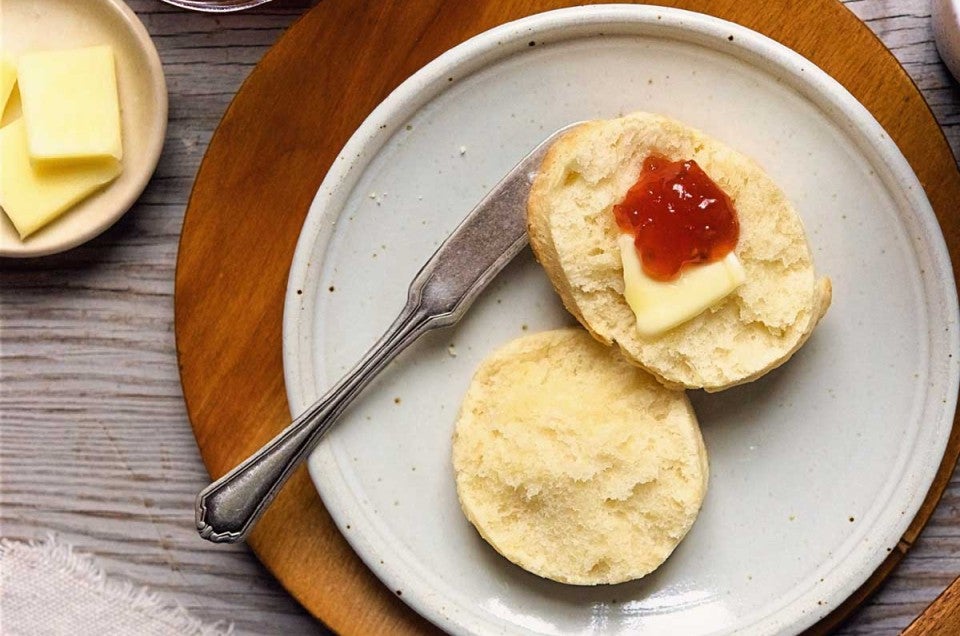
[228, 508]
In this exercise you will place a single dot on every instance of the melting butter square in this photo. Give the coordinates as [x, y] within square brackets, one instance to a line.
[661, 306]
[70, 104]
[32, 195]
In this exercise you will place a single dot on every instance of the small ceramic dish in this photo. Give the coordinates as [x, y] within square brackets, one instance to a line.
[945, 15]
[32, 25]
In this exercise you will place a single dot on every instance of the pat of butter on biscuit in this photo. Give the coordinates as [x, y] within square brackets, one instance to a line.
[661, 306]
[70, 104]
[32, 196]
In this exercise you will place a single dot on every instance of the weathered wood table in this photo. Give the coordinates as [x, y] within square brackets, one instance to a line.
[94, 441]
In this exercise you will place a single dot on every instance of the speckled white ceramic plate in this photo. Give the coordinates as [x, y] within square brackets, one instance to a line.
[37, 25]
[817, 469]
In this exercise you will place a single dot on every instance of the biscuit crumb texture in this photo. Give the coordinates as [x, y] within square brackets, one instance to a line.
[573, 463]
[574, 236]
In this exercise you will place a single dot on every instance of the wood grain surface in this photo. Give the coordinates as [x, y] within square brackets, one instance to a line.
[95, 444]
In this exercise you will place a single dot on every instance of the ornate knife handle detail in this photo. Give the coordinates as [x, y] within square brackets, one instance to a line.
[228, 508]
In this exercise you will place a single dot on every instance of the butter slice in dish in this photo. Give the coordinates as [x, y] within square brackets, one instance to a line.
[8, 77]
[33, 195]
[70, 104]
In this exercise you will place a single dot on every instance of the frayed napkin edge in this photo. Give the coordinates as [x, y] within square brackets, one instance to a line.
[85, 569]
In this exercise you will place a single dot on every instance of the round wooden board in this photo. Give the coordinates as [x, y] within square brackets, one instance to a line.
[264, 165]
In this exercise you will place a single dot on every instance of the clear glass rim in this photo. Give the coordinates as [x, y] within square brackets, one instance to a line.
[216, 6]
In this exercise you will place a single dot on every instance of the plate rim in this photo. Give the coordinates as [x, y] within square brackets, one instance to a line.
[865, 132]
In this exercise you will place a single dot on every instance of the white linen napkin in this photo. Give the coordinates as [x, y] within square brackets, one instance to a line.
[47, 588]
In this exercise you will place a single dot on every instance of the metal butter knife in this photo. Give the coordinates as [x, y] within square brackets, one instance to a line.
[492, 234]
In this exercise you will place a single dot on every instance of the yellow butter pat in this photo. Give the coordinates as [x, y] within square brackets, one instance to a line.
[8, 77]
[31, 195]
[660, 306]
[70, 104]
